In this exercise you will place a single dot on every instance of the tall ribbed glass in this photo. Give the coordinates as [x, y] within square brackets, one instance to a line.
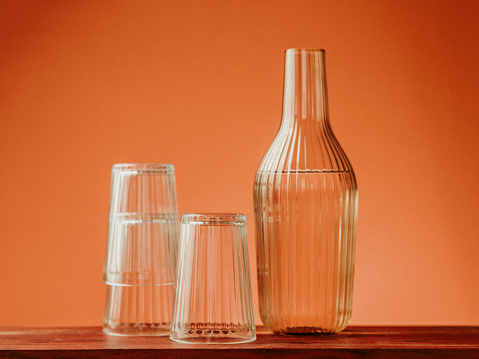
[305, 197]
[140, 262]
[213, 294]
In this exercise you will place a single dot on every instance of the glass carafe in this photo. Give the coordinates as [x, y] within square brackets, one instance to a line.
[305, 198]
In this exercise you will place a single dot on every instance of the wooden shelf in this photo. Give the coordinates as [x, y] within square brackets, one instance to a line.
[354, 342]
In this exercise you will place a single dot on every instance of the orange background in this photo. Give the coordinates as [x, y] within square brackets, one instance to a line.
[86, 84]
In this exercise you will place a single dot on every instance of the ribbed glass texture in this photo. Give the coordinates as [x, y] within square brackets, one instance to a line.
[305, 198]
[140, 262]
[213, 294]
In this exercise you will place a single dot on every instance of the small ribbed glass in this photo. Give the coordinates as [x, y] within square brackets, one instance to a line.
[140, 262]
[213, 294]
[305, 197]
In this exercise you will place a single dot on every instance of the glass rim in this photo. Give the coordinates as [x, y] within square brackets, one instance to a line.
[213, 218]
[143, 167]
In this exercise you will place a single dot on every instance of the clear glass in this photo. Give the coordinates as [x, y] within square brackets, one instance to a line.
[213, 295]
[305, 197]
[140, 262]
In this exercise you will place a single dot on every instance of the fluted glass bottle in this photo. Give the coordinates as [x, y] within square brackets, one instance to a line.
[305, 197]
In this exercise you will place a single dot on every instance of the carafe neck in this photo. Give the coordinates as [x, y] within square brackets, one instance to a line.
[305, 98]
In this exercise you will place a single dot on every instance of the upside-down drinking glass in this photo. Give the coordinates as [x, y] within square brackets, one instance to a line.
[213, 295]
[140, 263]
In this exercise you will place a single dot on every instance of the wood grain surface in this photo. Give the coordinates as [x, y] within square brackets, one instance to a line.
[354, 342]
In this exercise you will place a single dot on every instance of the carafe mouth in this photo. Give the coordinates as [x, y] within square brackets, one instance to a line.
[304, 51]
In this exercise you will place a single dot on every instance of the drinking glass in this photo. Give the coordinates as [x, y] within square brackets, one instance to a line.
[140, 263]
[213, 294]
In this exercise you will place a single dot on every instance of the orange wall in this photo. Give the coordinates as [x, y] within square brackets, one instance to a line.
[86, 84]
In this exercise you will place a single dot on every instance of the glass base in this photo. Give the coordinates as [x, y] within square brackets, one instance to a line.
[214, 335]
[138, 329]
[208, 339]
